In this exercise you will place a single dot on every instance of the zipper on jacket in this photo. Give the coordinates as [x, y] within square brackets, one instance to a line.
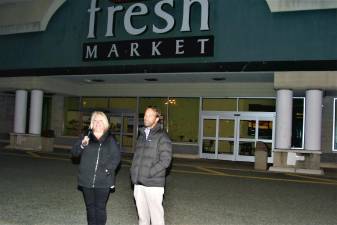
[93, 181]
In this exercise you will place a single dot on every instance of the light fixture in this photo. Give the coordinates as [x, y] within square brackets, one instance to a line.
[171, 101]
[219, 78]
[151, 79]
[93, 80]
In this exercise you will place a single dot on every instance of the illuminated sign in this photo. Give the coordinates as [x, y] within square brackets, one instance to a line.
[199, 46]
[149, 48]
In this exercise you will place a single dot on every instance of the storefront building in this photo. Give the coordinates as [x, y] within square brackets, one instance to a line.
[225, 74]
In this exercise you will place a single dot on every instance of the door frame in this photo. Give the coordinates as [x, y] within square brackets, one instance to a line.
[237, 117]
[121, 132]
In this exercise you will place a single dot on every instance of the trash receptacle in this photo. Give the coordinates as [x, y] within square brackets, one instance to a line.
[261, 156]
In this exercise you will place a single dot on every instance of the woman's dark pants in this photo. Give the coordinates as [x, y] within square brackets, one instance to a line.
[95, 201]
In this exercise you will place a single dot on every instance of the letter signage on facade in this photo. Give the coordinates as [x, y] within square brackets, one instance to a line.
[149, 48]
[186, 46]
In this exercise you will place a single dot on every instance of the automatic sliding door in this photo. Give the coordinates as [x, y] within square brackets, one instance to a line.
[123, 129]
[265, 134]
[218, 136]
[254, 127]
[233, 136]
[246, 139]
[128, 133]
[116, 127]
[209, 134]
[226, 138]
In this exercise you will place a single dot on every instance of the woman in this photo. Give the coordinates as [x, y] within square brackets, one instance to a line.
[100, 157]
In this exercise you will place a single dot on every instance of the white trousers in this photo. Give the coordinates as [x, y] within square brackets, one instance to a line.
[149, 201]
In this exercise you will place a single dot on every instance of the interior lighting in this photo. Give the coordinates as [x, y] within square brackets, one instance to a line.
[219, 78]
[151, 79]
[171, 101]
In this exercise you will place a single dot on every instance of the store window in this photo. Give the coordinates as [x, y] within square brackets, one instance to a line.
[72, 116]
[46, 117]
[257, 104]
[334, 144]
[97, 104]
[123, 103]
[219, 104]
[183, 119]
[122, 120]
[297, 137]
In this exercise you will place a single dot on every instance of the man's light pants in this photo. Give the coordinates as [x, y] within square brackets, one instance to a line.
[149, 201]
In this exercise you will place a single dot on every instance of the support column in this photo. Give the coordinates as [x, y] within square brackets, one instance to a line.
[20, 111]
[284, 110]
[313, 120]
[35, 118]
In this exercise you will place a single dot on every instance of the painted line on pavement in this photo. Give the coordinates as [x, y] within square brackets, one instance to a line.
[312, 178]
[256, 178]
[213, 172]
[33, 154]
[221, 168]
[207, 172]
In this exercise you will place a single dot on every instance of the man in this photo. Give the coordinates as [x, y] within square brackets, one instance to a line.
[152, 157]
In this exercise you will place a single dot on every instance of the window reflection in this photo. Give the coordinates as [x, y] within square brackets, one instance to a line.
[335, 126]
[183, 119]
[297, 123]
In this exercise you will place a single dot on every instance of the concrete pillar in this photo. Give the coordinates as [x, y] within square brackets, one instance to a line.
[20, 112]
[284, 111]
[35, 119]
[313, 120]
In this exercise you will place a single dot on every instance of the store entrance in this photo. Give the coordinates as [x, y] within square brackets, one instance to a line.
[233, 135]
[123, 126]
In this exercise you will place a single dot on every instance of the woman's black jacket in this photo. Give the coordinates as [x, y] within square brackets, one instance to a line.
[99, 160]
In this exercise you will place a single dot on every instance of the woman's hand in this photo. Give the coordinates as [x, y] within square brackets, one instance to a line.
[85, 141]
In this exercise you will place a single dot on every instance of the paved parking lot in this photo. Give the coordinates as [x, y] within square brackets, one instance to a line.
[41, 189]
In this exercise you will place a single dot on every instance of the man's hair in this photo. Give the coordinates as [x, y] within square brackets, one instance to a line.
[155, 109]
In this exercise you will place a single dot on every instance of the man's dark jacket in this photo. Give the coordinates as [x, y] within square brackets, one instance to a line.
[103, 152]
[151, 158]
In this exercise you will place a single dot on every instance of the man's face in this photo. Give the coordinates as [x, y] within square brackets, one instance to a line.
[150, 118]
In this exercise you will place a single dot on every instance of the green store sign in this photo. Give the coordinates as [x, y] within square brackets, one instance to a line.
[183, 46]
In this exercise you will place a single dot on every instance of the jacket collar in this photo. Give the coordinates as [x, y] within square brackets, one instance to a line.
[153, 130]
[102, 139]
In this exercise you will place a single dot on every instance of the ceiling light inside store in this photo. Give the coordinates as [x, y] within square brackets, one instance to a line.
[171, 101]
[219, 78]
[93, 80]
[151, 79]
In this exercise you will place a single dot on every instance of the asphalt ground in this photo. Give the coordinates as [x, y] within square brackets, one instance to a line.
[40, 189]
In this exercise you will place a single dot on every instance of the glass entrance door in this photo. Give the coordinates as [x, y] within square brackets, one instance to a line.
[226, 137]
[123, 127]
[209, 137]
[254, 127]
[233, 136]
[218, 136]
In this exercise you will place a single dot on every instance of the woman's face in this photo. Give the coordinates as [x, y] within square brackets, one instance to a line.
[98, 125]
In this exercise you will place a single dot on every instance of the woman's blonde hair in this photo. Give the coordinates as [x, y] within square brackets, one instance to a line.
[105, 120]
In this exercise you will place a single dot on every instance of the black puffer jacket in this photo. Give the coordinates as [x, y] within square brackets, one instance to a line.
[99, 161]
[151, 158]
